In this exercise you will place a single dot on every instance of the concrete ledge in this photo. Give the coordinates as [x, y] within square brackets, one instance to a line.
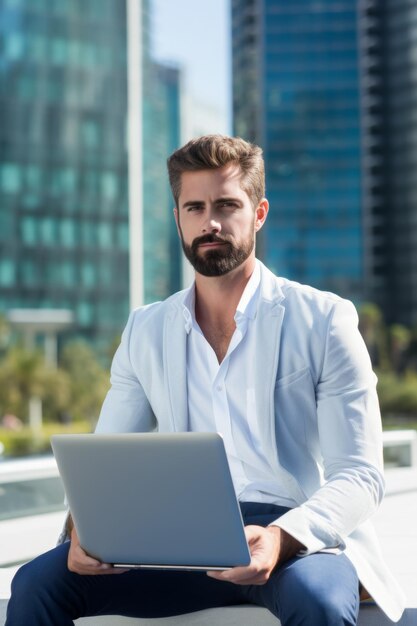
[228, 616]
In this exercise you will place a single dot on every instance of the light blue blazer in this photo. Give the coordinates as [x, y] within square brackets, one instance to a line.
[316, 404]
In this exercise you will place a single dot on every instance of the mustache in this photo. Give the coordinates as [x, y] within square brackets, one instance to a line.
[207, 239]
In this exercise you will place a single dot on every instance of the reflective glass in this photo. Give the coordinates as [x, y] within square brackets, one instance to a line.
[11, 178]
[7, 272]
[29, 230]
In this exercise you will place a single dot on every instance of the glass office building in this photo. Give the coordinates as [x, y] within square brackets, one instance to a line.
[161, 136]
[389, 45]
[296, 92]
[64, 215]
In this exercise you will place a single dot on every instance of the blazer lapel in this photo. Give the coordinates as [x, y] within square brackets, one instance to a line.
[269, 319]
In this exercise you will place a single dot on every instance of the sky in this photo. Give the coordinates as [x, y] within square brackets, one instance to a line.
[195, 34]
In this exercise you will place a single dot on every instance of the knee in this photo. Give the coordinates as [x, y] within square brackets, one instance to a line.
[328, 608]
[309, 600]
[24, 580]
[40, 574]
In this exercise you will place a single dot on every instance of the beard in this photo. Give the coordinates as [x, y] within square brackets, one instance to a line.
[219, 261]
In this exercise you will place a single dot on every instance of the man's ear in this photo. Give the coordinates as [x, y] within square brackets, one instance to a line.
[260, 213]
[176, 217]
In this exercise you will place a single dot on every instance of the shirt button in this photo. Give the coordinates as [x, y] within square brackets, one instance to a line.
[219, 388]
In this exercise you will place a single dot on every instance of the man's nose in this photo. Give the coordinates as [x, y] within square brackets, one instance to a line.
[212, 225]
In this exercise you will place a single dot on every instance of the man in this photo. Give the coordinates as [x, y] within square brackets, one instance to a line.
[281, 370]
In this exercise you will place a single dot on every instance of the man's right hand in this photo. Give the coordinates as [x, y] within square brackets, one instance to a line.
[80, 562]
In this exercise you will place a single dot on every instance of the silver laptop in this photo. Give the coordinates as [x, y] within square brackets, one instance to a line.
[153, 500]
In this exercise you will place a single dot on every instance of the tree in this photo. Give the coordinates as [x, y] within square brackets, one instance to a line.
[372, 328]
[399, 344]
[89, 381]
[24, 375]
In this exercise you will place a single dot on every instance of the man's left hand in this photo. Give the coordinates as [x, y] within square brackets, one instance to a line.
[269, 547]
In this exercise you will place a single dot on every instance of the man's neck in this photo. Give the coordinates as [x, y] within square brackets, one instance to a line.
[217, 297]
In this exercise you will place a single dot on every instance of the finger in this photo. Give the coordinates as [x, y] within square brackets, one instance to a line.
[237, 575]
[112, 570]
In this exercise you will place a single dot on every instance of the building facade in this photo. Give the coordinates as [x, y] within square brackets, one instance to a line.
[64, 201]
[389, 70]
[297, 93]
[328, 90]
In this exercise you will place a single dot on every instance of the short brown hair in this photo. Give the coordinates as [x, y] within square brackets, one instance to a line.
[214, 151]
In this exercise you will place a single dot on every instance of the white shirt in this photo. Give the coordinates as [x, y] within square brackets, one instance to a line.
[221, 397]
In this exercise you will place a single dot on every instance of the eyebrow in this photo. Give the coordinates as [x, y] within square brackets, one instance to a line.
[217, 201]
[193, 203]
[228, 199]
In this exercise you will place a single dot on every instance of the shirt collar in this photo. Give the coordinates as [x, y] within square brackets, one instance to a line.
[249, 299]
[245, 309]
[188, 309]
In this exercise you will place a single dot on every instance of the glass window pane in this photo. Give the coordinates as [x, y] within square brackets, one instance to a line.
[68, 274]
[14, 47]
[7, 272]
[29, 273]
[85, 313]
[11, 179]
[104, 235]
[48, 231]
[88, 275]
[109, 185]
[67, 233]
[29, 230]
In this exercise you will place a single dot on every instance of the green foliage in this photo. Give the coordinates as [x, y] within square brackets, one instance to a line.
[398, 394]
[372, 327]
[24, 442]
[23, 374]
[89, 381]
[73, 391]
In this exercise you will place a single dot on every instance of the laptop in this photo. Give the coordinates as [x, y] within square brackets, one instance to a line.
[153, 500]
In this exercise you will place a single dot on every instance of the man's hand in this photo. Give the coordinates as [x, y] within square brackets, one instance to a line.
[80, 563]
[269, 547]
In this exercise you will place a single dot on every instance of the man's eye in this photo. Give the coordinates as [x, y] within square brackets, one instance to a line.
[194, 208]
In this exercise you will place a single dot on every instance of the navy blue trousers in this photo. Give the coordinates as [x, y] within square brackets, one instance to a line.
[317, 590]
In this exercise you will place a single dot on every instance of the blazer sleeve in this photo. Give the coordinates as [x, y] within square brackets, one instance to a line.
[126, 407]
[350, 436]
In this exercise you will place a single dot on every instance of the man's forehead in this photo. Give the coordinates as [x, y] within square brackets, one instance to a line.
[214, 181]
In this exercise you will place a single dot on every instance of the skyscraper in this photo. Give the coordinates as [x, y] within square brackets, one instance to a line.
[328, 90]
[389, 69]
[65, 230]
[296, 92]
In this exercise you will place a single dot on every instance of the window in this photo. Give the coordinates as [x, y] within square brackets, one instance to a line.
[88, 275]
[85, 313]
[33, 177]
[48, 231]
[88, 234]
[67, 233]
[11, 179]
[29, 231]
[29, 273]
[104, 235]
[68, 274]
[58, 51]
[109, 186]
[7, 272]
[90, 135]
[14, 47]
[37, 48]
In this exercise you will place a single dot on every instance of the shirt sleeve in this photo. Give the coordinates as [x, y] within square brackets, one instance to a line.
[126, 407]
